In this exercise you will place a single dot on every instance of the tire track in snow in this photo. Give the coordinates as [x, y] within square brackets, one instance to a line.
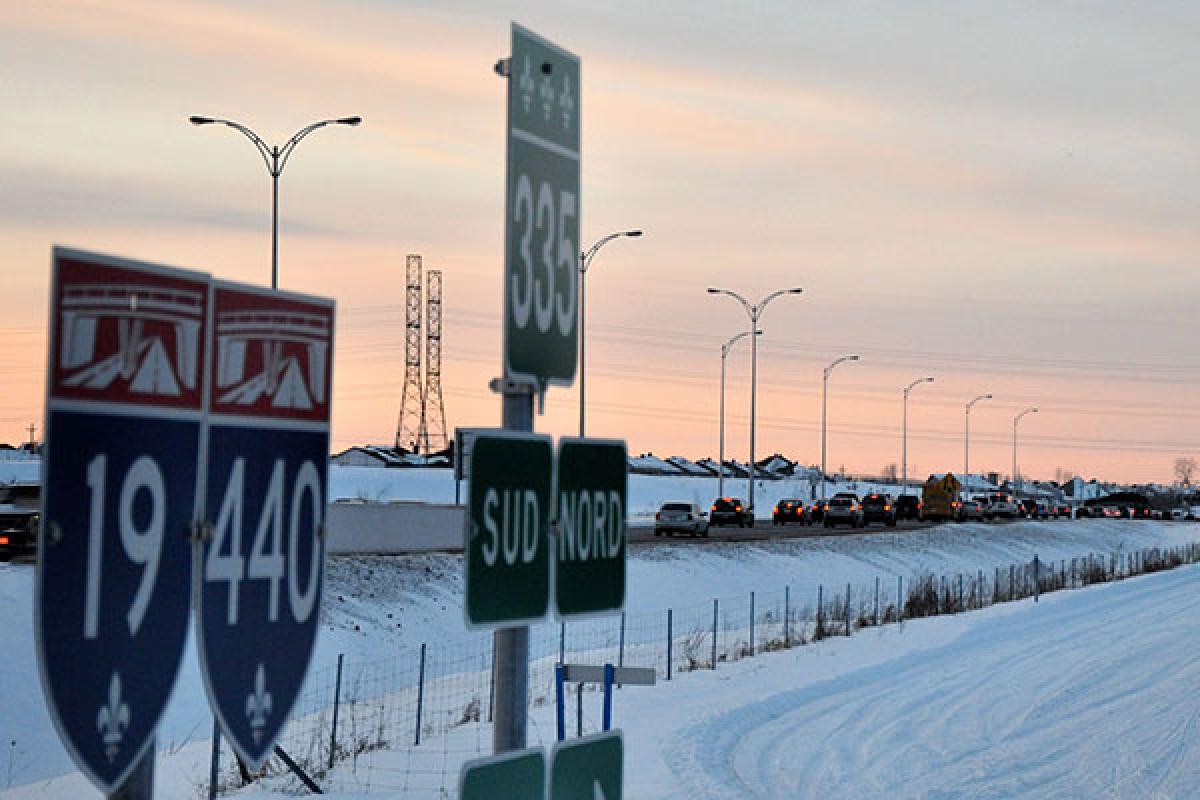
[1088, 694]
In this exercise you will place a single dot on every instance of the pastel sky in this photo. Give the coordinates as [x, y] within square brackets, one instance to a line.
[1001, 195]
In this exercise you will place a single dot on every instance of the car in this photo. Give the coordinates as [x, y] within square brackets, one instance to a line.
[908, 506]
[20, 514]
[672, 518]
[1001, 504]
[1027, 508]
[816, 512]
[844, 509]
[1177, 513]
[968, 510]
[789, 509]
[1062, 511]
[878, 507]
[730, 511]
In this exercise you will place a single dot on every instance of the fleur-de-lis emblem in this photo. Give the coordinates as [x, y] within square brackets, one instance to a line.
[113, 719]
[526, 85]
[258, 704]
[547, 97]
[566, 102]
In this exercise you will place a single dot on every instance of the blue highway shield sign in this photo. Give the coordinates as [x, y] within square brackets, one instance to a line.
[124, 409]
[260, 562]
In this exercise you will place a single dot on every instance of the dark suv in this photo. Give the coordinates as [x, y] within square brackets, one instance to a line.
[20, 507]
[908, 506]
[730, 511]
[789, 509]
[879, 508]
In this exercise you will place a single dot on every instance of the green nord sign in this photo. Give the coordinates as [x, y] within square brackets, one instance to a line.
[590, 499]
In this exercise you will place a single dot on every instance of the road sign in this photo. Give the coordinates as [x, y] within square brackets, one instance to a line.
[259, 567]
[541, 263]
[124, 409]
[507, 523]
[519, 775]
[589, 768]
[590, 501]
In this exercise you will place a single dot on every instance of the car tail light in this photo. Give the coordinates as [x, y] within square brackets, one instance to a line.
[3, 540]
[737, 508]
[776, 509]
[887, 508]
[658, 515]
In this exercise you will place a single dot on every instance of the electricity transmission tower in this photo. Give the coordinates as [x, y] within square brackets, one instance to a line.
[433, 412]
[412, 402]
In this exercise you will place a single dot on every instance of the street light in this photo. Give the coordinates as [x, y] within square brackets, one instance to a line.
[585, 261]
[967, 442]
[725, 348]
[753, 312]
[904, 438]
[1016, 419]
[275, 158]
[824, 399]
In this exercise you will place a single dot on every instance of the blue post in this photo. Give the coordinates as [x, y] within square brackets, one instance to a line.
[1037, 579]
[608, 683]
[420, 695]
[561, 714]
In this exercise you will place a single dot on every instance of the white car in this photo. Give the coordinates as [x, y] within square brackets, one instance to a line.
[674, 518]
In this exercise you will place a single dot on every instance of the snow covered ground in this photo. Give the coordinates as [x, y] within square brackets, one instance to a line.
[379, 608]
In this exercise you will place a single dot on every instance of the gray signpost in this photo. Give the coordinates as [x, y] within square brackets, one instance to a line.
[590, 498]
[541, 314]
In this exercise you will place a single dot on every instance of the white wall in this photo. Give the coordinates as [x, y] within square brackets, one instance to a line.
[392, 528]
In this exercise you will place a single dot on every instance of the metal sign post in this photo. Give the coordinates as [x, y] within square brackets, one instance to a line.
[259, 566]
[124, 410]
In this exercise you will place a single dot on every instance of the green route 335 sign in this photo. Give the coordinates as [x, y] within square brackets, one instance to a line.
[541, 259]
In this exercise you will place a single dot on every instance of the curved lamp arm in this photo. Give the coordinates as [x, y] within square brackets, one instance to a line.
[263, 150]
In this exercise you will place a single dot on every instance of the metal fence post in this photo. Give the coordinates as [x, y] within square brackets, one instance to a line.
[562, 643]
[820, 606]
[979, 587]
[752, 624]
[669, 642]
[1012, 581]
[214, 770]
[961, 607]
[996, 587]
[337, 700]
[899, 597]
[847, 609]
[420, 696]
[787, 615]
[714, 641]
[876, 599]
[621, 646]
[1037, 579]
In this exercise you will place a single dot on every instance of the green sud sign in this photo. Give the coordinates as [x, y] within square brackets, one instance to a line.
[541, 310]
[589, 768]
[520, 775]
[508, 514]
[590, 499]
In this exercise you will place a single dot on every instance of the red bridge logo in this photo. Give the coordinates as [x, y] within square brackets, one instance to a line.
[271, 359]
[130, 342]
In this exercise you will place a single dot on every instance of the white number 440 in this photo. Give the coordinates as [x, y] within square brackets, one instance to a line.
[226, 563]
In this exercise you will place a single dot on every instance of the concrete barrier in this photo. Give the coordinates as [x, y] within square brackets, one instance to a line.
[358, 527]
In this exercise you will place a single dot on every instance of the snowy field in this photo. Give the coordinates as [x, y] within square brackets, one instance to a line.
[378, 608]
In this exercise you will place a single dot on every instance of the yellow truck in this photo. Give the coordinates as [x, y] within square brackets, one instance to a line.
[939, 498]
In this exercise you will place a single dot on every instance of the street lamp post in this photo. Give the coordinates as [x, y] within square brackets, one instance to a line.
[276, 159]
[824, 403]
[967, 442]
[904, 435]
[1016, 419]
[725, 348]
[585, 261]
[753, 312]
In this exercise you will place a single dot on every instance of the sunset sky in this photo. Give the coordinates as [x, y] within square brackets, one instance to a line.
[1004, 196]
